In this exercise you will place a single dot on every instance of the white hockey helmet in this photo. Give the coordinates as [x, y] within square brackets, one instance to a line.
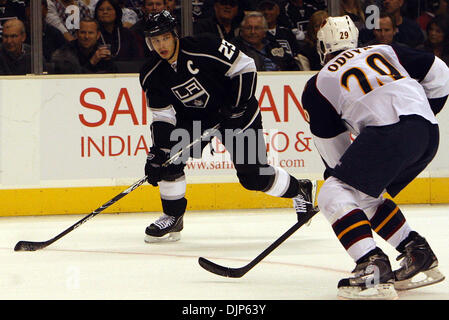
[336, 34]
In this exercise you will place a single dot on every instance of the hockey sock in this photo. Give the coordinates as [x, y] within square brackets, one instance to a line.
[389, 223]
[174, 208]
[354, 232]
[282, 184]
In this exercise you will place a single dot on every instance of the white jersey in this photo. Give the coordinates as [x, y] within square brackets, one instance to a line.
[372, 86]
[369, 87]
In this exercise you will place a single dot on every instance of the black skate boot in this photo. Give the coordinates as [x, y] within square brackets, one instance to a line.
[304, 201]
[419, 264]
[373, 279]
[165, 229]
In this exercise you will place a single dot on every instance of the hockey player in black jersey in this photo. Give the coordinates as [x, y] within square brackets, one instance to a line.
[193, 83]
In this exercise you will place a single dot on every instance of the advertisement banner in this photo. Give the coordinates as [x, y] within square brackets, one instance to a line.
[98, 128]
[93, 128]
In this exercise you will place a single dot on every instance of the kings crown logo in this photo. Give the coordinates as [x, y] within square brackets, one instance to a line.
[192, 94]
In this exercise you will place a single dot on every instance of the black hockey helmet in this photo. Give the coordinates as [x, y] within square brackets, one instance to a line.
[160, 23]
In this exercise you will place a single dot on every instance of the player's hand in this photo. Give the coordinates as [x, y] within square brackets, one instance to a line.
[233, 118]
[153, 167]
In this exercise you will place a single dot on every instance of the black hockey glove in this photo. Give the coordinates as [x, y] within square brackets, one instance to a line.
[153, 167]
[233, 118]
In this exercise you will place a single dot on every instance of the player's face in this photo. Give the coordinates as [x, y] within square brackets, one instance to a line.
[436, 35]
[106, 13]
[253, 31]
[385, 33]
[154, 6]
[164, 45]
[88, 34]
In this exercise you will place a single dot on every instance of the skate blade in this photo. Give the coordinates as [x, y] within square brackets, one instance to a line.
[170, 237]
[378, 292]
[421, 279]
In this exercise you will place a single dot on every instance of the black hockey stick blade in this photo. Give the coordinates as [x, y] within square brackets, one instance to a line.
[240, 272]
[29, 246]
[221, 270]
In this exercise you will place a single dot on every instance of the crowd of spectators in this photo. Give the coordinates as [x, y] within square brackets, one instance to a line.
[104, 36]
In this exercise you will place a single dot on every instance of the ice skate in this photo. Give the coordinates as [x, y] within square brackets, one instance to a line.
[373, 279]
[304, 201]
[419, 265]
[165, 229]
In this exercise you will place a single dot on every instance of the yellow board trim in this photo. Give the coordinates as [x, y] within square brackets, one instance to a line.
[208, 196]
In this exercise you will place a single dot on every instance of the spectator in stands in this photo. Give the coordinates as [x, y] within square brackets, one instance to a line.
[11, 9]
[308, 45]
[437, 38]
[52, 38]
[443, 8]
[266, 52]
[409, 31]
[411, 9]
[148, 7]
[206, 8]
[153, 6]
[284, 36]
[15, 54]
[123, 42]
[197, 9]
[67, 23]
[387, 30]
[172, 5]
[135, 5]
[353, 8]
[129, 16]
[430, 8]
[91, 5]
[84, 55]
[298, 13]
[223, 24]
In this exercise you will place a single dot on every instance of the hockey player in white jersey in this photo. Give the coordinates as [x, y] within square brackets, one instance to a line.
[387, 97]
[191, 82]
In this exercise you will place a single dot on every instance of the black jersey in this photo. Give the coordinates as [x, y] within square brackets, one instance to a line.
[209, 75]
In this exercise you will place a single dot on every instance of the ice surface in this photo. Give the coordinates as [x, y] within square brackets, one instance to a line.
[106, 258]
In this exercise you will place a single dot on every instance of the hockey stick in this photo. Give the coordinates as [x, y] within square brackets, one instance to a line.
[36, 245]
[240, 272]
